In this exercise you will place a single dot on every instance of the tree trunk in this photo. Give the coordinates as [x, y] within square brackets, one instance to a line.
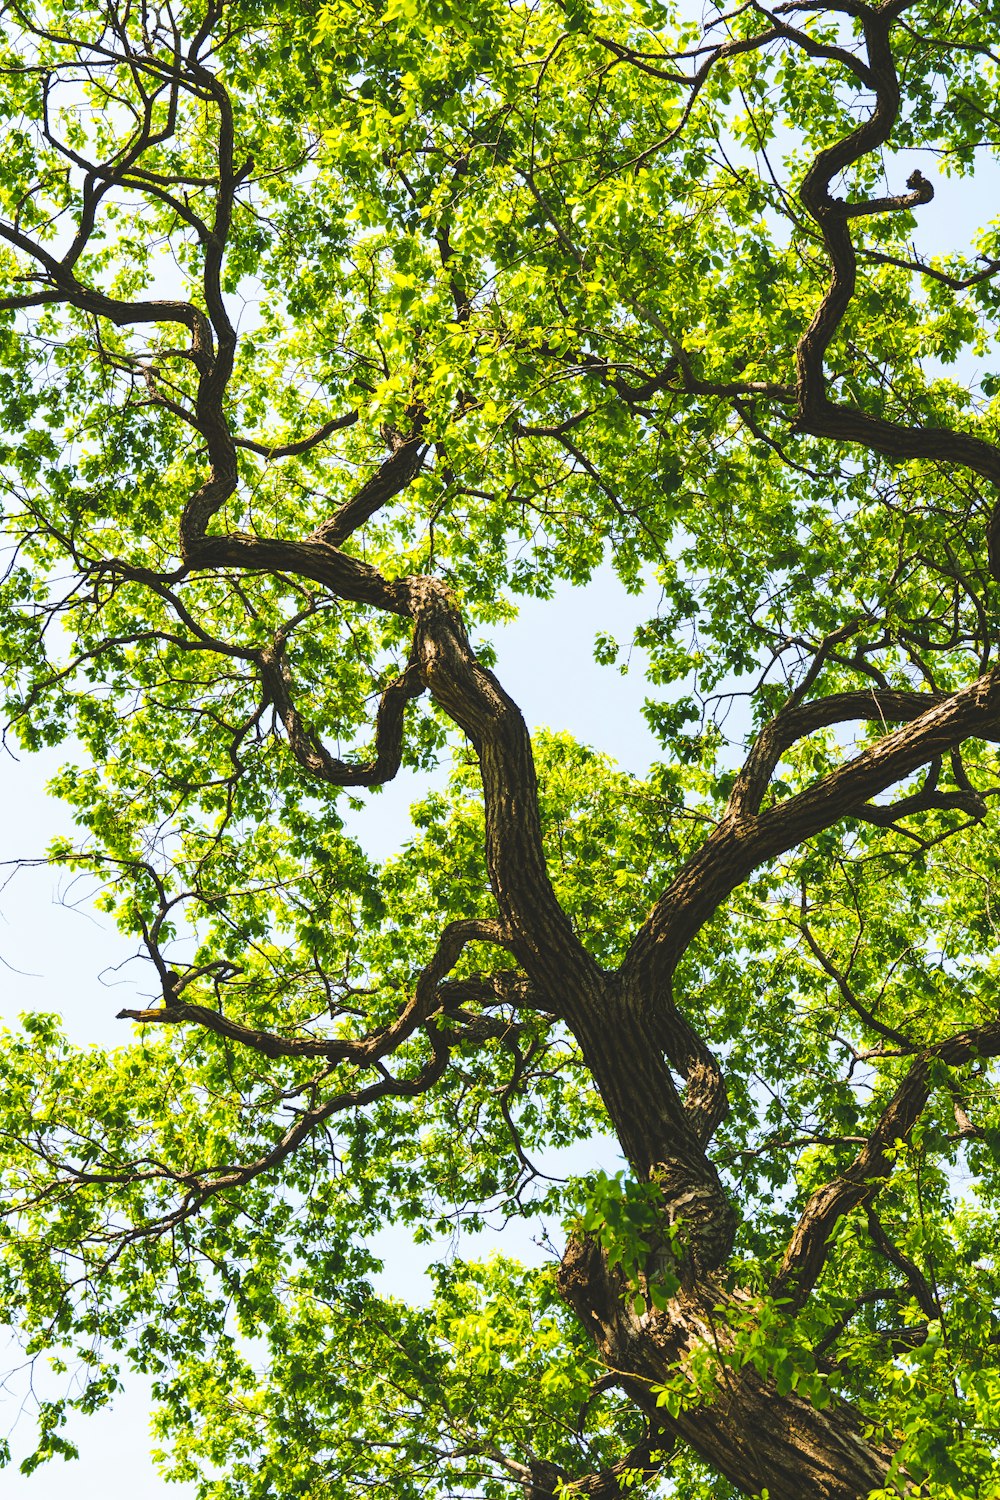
[758, 1439]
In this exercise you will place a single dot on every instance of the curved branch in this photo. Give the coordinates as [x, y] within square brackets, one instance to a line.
[213, 338]
[826, 963]
[543, 937]
[344, 576]
[778, 30]
[927, 799]
[363, 1052]
[818, 415]
[309, 750]
[915, 1279]
[798, 720]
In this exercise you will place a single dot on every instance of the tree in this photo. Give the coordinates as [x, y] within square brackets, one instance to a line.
[328, 332]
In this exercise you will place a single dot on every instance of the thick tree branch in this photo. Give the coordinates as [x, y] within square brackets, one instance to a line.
[743, 841]
[807, 1249]
[547, 1481]
[398, 471]
[543, 937]
[829, 1456]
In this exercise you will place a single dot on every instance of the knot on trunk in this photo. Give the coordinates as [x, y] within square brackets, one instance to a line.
[697, 1207]
[544, 1480]
[587, 1285]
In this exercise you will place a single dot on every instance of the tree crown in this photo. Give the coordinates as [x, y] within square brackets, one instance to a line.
[328, 333]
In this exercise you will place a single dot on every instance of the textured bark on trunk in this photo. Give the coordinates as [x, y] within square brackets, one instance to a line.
[658, 1127]
[748, 1432]
[758, 1439]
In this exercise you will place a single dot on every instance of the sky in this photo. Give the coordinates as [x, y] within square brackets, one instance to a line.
[57, 954]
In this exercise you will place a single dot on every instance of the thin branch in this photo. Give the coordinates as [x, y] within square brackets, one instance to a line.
[915, 1278]
[889, 1033]
[301, 445]
[363, 1052]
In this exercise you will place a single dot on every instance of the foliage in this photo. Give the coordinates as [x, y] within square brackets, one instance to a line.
[327, 333]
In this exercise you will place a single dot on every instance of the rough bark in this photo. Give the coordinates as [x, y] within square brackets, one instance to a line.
[749, 1433]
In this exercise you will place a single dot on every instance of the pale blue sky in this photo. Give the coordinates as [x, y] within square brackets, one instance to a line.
[58, 954]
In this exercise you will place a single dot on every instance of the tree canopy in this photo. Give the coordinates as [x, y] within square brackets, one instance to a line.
[329, 331]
